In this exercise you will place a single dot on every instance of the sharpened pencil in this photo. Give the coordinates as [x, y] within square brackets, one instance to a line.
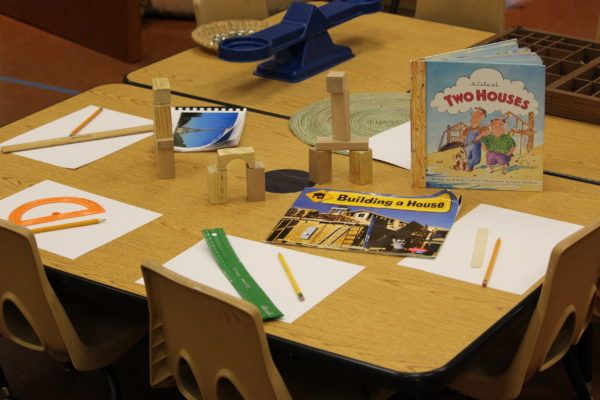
[490, 267]
[290, 276]
[85, 122]
[68, 226]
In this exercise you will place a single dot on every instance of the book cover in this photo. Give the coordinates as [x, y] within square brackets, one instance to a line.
[478, 119]
[206, 128]
[377, 223]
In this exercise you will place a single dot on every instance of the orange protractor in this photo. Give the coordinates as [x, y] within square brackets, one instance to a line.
[91, 207]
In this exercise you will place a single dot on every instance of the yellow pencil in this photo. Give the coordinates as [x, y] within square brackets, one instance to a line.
[290, 276]
[86, 121]
[490, 267]
[68, 226]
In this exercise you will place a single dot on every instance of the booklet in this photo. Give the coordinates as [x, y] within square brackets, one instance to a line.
[207, 128]
[477, 119]
[378, 223]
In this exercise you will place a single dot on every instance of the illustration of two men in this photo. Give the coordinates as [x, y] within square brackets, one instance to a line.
[499, 146]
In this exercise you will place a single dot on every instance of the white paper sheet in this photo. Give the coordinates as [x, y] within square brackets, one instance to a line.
[317, 277]
[79, 154]
[393, 146]
[120, 218]
[527, 241]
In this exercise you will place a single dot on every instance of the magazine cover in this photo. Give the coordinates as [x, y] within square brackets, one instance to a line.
[379, 223]
[205, 129]
[484, 119]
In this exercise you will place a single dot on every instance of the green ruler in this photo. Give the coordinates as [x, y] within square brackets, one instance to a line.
[236, 273]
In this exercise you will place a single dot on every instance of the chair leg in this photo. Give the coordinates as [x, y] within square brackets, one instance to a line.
[584, 353]
[4, 389]
[112, 381]
[394, 6]
[576, 377]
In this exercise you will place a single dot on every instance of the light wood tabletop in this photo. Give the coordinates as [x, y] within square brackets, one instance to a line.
[388, 316]
[383, 44]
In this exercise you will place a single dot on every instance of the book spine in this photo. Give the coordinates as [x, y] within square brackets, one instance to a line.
[418, 118]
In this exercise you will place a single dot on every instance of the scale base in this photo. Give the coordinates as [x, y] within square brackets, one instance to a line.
[304, 59]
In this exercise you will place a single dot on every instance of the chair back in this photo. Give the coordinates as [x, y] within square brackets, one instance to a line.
[485, 15]
[29, 309]
[216, 10]
[564, 308]
[212, 344]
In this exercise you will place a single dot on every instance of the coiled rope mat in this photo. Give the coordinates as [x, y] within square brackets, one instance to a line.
[370, 114]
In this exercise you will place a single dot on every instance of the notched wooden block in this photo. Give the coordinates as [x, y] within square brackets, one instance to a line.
[224, 156]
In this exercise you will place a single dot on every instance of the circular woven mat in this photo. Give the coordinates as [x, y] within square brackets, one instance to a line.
[370, 114]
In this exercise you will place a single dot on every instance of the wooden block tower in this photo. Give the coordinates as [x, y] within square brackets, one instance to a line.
[217, 175]
[163, 131]
[361, 157]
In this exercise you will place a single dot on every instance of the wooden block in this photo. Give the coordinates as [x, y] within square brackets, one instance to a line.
[217, 185]
[319, 165]
[162, 122]
[161, 92]
[325, 143]
[361, 167]
[417, 123]
[340, 116]
[226, 155]
[165, 158]
[255, 182]
[336, 81]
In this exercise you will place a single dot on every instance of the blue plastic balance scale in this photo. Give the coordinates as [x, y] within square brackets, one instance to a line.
[299, 45]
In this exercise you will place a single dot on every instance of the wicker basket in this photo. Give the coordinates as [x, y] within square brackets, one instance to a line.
[205, 34]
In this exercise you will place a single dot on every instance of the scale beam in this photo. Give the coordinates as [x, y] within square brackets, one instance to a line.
[299, 46]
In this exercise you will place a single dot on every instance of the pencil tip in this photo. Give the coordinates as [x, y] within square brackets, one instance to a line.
[300, 296]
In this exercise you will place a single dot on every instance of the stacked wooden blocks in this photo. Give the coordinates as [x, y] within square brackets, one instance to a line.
[163, 130]
[361, 156]
[217, 175]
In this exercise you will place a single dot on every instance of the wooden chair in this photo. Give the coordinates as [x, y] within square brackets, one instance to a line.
[211, 344]
[71, 329]
[562, 313]
[485, 15]
[216, 10]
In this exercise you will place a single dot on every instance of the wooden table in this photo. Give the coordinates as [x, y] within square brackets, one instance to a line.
[383, 44]
[394, 323]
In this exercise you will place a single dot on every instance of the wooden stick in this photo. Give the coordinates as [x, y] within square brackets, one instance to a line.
[40, 144]
[290, 276]
[69, 225]
[479, 247]
[490, 267]
[85, 122]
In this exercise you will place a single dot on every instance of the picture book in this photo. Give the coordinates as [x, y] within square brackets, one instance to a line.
[377, 223]
[206, 128]
[477, 119]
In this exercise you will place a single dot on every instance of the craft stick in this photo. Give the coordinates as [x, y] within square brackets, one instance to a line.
[69, 225]
[490, 267]
[40, 144]
[85, 122]
[479, 247]
[290, 276]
